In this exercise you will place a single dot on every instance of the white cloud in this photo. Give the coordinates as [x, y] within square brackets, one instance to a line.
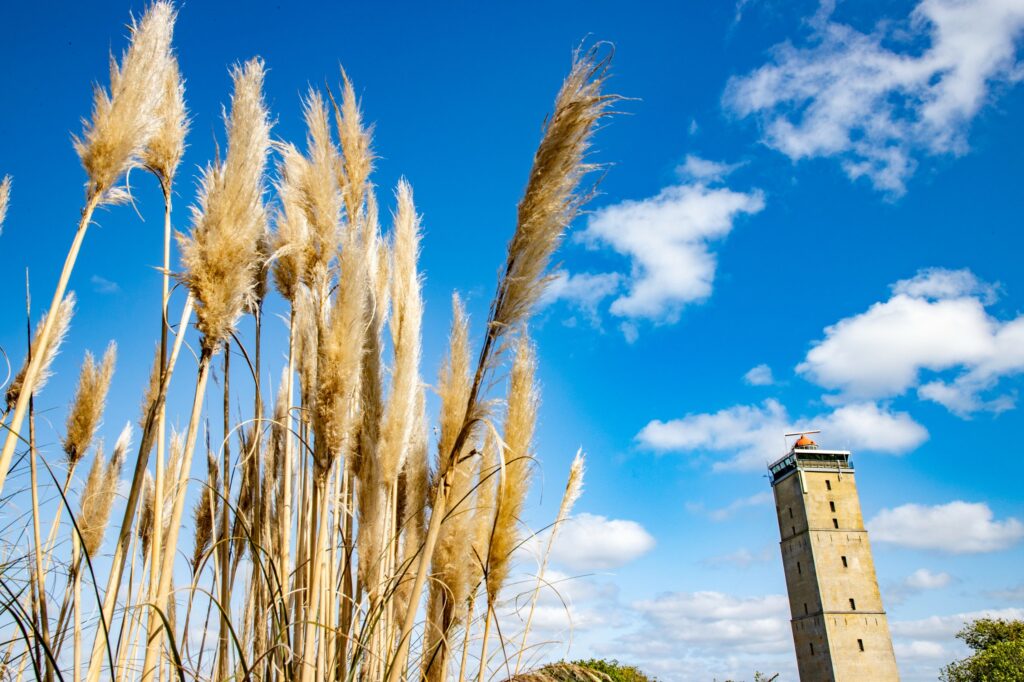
[753, 435]
[102, 285]
[923, 579]
[589, 542]
[939, 283]
[668, 240]
[694, 168]
[741, 558]
[707, 635]
[583, 290]
[957, 527]
[877, 100]
[934, 322]
[728, 511]
[760, 375]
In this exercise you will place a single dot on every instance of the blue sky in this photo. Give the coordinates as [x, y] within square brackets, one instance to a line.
[830, 194]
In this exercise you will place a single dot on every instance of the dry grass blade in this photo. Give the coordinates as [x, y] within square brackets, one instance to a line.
[204, 511]
[60, 331]
[125, 120]
[87, 407]
[221, 255]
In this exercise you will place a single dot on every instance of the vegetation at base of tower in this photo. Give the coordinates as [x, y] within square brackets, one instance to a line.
[327, 542]
[998, 647]
[591, 670]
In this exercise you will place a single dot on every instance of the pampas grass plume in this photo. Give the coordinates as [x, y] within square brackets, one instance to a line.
[5, 197]
[166, 147]
[125, 120]
[87, 407]
[60, 332]
[221, 255]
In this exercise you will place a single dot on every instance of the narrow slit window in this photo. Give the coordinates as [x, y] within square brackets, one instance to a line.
[794, 530]
[860, 644]
[805, 609]
[828, 484]
[790, 512]
[845, 565]
[835, 523]
[812, 648]
[799, 571]
[831, 505]
[853, 604]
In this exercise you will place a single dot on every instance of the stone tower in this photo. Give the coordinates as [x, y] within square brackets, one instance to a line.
[839, 625]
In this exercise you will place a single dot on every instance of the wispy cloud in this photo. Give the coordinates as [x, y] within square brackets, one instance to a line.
[102, 285]
[877, 101]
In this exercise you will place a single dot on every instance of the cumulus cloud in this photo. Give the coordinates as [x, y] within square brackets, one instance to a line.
[923, 579]
[668, 240]
[582, 290]
[728, 511]
[589, 542]
[705, 635]
[956, 527]
[877, 101]
[936, 321]
[751, 435]
[760, 375]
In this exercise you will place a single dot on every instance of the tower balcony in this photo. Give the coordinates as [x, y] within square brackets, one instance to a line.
[810, 459]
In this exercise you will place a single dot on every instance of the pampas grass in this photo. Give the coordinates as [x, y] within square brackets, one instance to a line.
[87, 407]
[5, 198]
[60, 331]
[315, 535]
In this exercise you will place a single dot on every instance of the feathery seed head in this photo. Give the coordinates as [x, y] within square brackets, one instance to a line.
[453, 384]
[204, 511]
[222, 254]
[321, 198]
[60, 331]
[520, 421]
[5, 197]
[292, 244]
[125, 120]
[87, 407]
[165, 149]
[357, 163]
[98, 495]
[340, 358]
[551, 202]
[146, 515]
[406, 320]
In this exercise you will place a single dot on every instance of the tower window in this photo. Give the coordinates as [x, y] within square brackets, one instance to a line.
[853, 604]
[790, 512]
[835, 522]
[805, 609]
[828, 484]
[794, 530]
[799, 571]
[844, 562]
[812, 648]
[831, 505]
[860, 644]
